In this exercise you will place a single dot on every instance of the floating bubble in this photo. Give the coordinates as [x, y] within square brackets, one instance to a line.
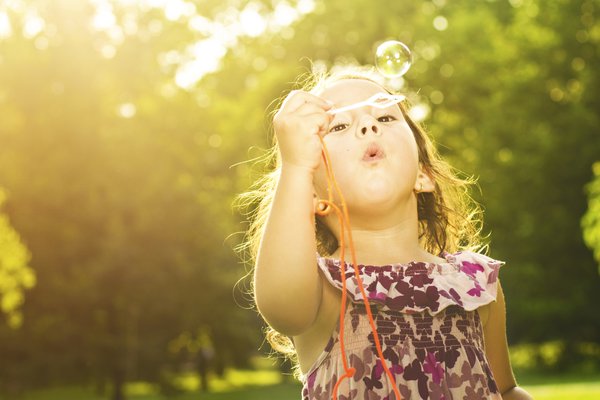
[393, 58]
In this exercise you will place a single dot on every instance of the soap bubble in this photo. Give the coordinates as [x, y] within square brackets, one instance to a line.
[393, 58]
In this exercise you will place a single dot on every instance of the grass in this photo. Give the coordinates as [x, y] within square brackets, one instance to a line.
[265, 382]
[539, 386]
[566, 386]
[281, 391]
[571, 391]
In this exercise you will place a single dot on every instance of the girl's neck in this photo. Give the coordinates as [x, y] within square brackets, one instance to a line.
[380, 241]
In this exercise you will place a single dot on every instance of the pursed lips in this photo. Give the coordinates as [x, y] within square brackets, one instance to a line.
[373, 152]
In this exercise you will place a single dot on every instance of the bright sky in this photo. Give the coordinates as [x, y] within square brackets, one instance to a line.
[198, 59]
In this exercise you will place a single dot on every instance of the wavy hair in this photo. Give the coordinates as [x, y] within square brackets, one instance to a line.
[449, 218]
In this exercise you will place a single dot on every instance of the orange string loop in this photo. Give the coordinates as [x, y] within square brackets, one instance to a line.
[324, 207]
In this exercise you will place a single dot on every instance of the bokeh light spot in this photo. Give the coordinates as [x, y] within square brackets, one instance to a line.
[440, 23]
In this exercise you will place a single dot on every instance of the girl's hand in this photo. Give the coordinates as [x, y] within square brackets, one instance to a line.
[300, 119]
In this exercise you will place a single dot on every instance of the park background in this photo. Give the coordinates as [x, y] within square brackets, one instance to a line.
[125, 133]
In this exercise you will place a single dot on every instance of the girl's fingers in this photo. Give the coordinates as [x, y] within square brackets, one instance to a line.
[320, 121]
[307, 109]
[297, 98]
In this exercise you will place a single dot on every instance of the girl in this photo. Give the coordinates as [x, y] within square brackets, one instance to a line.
[421, 315]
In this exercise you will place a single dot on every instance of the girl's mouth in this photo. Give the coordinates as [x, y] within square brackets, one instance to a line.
[373, 153]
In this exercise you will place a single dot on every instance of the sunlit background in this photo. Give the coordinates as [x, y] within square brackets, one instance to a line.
[125, 127]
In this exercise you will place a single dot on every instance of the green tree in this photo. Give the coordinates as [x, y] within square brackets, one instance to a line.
[16, 275]
[122, 200]
[590, 222]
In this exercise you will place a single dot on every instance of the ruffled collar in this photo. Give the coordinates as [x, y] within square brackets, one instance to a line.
[409, 268]
[467, 279]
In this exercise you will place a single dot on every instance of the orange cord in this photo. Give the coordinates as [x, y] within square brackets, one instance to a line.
[344, 221]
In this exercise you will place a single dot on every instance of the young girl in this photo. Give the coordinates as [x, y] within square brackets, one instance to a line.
[432, 325]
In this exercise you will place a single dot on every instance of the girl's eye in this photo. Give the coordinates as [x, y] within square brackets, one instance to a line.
[338, 127]
[386, 118]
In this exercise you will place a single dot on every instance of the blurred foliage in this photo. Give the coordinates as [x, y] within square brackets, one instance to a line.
[15, 274]
[125, 214]
[591, 220]
[124, 127]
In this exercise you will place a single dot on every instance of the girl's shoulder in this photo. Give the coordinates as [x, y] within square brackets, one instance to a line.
[466, 279]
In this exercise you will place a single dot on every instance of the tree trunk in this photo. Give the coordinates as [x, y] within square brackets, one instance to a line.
[118, 383]
[203, 371]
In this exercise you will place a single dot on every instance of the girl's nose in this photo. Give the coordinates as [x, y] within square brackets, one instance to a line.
[367, 128]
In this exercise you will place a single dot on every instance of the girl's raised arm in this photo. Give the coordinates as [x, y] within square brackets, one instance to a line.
[287, 285]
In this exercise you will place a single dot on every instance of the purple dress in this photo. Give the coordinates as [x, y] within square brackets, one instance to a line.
[430, 333]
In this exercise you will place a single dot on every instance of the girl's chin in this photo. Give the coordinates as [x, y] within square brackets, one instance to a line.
[378, 197]
[381, 188]
[372, 190]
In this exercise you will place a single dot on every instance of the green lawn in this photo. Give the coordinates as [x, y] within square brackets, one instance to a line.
[265, 382]
[565, 391]
[540, 386]
[567, 387]
[279, 392]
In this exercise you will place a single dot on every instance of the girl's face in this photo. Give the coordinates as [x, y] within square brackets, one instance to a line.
[373, 152]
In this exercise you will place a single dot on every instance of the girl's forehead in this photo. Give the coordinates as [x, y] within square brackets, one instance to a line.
[350, 91]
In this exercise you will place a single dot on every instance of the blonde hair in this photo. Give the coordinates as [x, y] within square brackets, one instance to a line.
[449, 218]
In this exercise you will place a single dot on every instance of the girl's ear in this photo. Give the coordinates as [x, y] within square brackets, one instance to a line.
[424, 182]
[316, 206]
